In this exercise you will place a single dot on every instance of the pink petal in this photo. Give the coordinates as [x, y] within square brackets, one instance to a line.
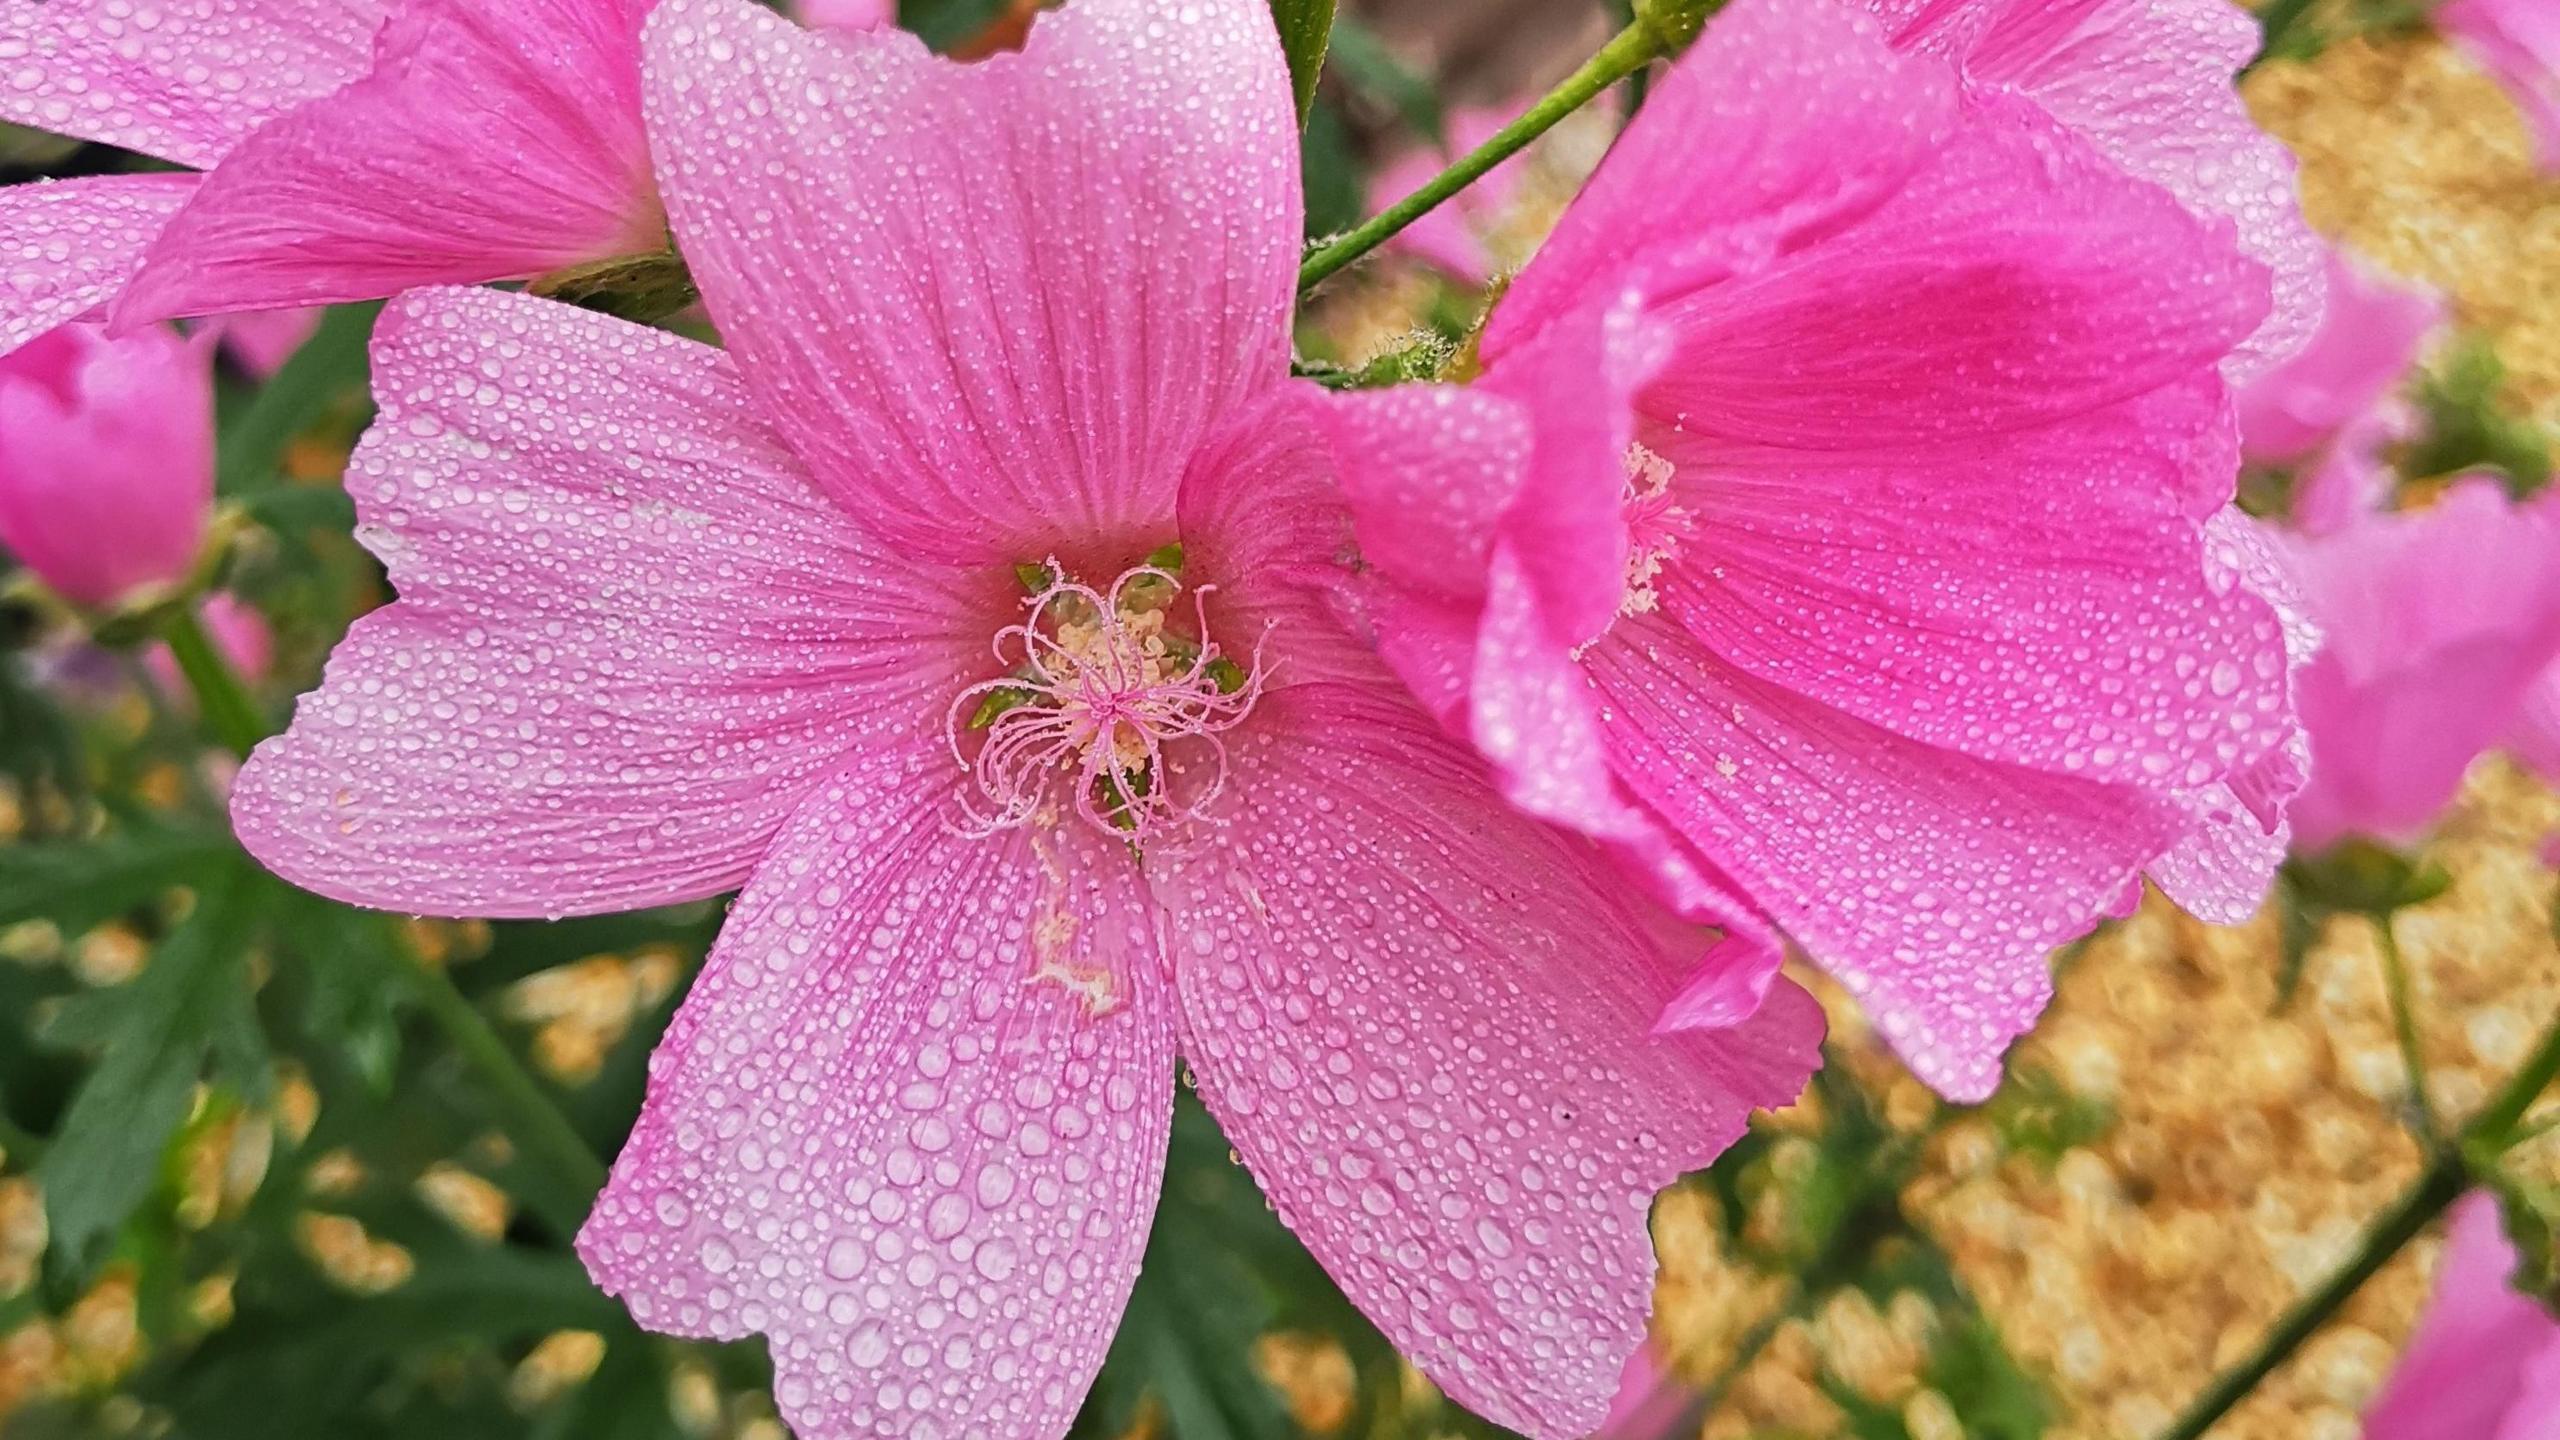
[2518, 43]
[1452, 235]
[629, 632]
[184, 80]
[911, 1122]
[2149, 83]
[106, 460]
[1812, 123]
[2034, 597]
[492, 139]
[2535, 740]
[2467, 1367]
[1932, 884]
[2437, 622]
[1422, 1020]
[71, 244]
[238, 631]
[2017, 281]
[997, 305]
[847, 14]
[2363, 350]
[260, 341]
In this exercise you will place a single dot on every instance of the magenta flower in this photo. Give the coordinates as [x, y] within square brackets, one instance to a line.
[672, 620]
[106, 459]
[467, 140]
[1453, 236]
[2148, 82]
[2345, 373]
[2518, 43]
[2485, 1361]
[2435, 623]
[1831, 525]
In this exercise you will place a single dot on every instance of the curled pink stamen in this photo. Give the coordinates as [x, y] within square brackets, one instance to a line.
[1099, 689]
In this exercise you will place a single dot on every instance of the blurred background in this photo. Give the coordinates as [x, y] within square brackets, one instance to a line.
[248, 1191]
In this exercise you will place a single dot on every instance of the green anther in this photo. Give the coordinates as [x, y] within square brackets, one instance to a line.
[1036, 579]
[1228, 675]
[998, 702]
[1167, 558]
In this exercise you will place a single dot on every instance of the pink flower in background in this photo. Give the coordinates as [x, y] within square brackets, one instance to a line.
[468, 140]
[2435, 623]
[262, 340]
[2485, 1361]
[238, 631]
[671, 620]
[847, 14]
[2149, 83]
[1453, 236]
[1831, 526]
[2518, 43]
[1652, 1401]
[106, 459]
[2331, 409]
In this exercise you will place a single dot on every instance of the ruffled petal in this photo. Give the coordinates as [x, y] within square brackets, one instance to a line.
[184, 80]
[493, 139]
[1782, 122]
[911, 1122]
[1932, 884]
[1423, 1022]
[994, 306]
[71, 245]
[629, 631]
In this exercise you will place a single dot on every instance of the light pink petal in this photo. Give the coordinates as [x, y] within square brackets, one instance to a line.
[2535, 740]
[994, 305]
[2466, 1366]
[1932, 884]
[106, 460]
[847, 14]
[2149, 82]
[1783, 121]
[2035, 597]
[1422, 1020]
[1452, 234]
[67, 246]
[2518, 43]
[2367, 341]
[260, 341]
[2351, 477]
[629, 633]
[2019, 280]
[2536, 1412]
[911, 1122]
[2437, 623]
[184, 80]
[492, 139]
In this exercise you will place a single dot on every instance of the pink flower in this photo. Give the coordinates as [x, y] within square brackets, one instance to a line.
[260, 341]
[1831, 525]
[847, 14]
[106, 459]
[671, 620]
[2435, 623]
[1453, 236]
[238, 631]
[2485, 1361]
[2148, 82]
[2518, 43]
[2345, 373]
[346, 155]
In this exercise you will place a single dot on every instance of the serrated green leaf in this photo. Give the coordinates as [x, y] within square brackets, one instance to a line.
[328, 371]
[154, 1037]
[1306, 29]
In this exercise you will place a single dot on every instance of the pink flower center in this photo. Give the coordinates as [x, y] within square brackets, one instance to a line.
[1103, 692]
[1655, 527]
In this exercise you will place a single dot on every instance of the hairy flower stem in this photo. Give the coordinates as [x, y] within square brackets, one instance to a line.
[2450, 1172]
[1632, 49]
[539, 1131]
[224, 701]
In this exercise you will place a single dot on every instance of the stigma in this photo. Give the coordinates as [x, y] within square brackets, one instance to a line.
[1110, 706]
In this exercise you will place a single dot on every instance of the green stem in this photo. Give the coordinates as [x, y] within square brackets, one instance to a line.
[1630, 51]
[542, 1135]
[2448, 1174]
[224, 701]
[2275, 23]
[2404, 1028]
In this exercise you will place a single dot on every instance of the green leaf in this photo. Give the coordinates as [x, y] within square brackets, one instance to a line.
[945, 24]
[2467, 426]
[77, 884]
[327, 371]
[153, 1037]
[1306, 28]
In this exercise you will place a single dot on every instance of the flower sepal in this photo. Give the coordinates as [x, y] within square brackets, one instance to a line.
[639, 288]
